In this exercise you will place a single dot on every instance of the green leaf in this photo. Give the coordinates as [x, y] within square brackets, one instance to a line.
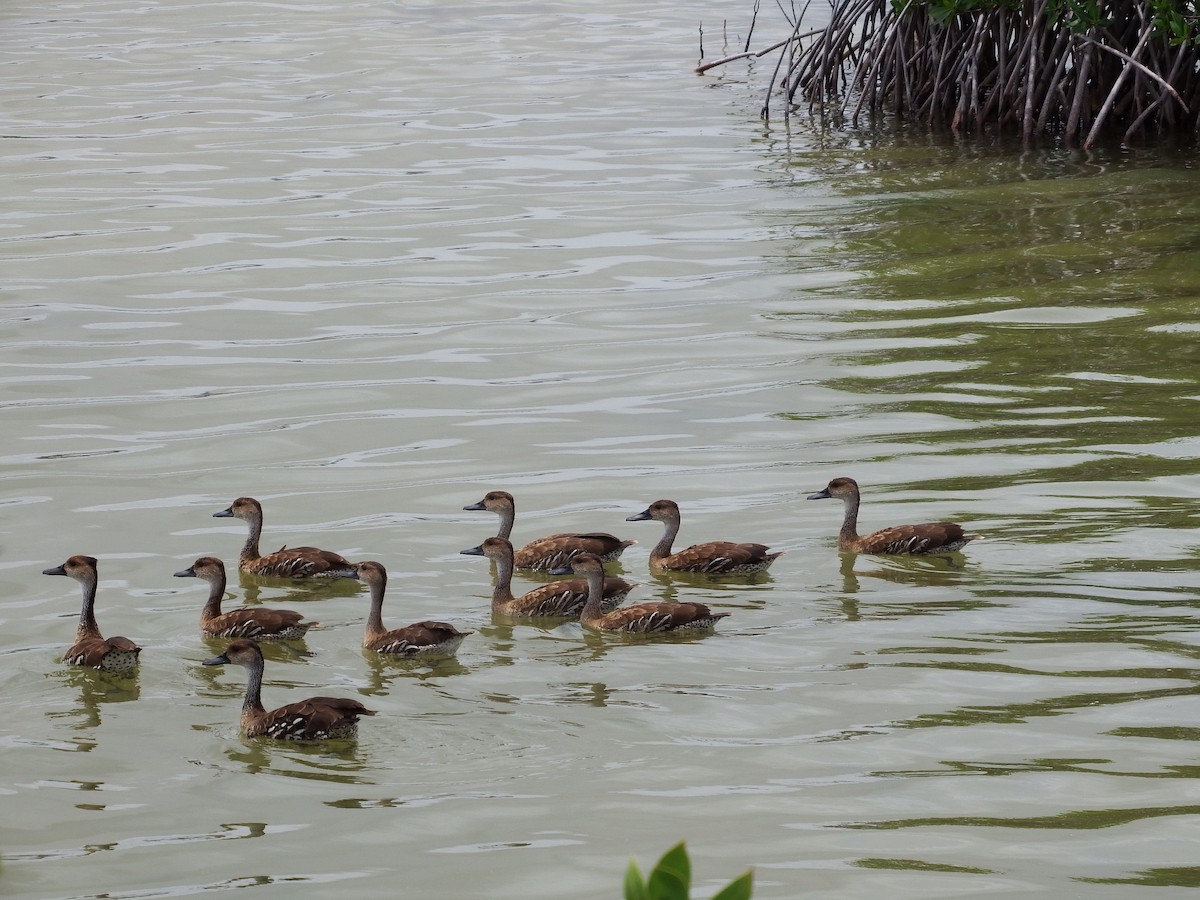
[635, 888]
[672, 876]
[738, 889]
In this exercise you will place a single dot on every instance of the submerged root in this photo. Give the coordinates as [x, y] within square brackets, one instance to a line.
[1040, 68]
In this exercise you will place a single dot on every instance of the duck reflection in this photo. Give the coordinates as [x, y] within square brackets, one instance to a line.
[384, 669]
[703, 580]
[925, 571]
[337, 761]
[592, 646]
[273, 651]
[595, 694]
[256, 587]
[95, 689]
[734, 592]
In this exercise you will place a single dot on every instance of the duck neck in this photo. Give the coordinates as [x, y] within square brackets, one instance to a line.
[508, 515]
[375, 619]
[663, 547]
[849, 530]
[216, 593]
[87, 615]
[253, 702]
[502, 592]
[250, 548]
[591, 609]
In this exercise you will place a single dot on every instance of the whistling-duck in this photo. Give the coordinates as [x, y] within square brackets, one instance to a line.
[294, 562]
[554, 550]
[91, 649]
[419, 639]
[640, 618]
[248, 622]
[932, 537]
[559, 598]
[308, 720]
[713, 557]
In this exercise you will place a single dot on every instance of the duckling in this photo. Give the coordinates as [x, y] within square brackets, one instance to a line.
[713, 557]
[554, 550]
[641, 618]
[254, 622]
[294, 562]
[931, 537]
[423, 639]
[559, 598]
[91, 649]
[307, 720]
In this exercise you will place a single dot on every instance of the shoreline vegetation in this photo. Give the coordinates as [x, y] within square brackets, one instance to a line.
[1074, 71]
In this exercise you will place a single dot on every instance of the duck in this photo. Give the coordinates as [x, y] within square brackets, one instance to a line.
[640, 618]
[250, 622]
[421, 639]
[563, 599]
[314, 719]
[92, 649]
[286, 562]
[713, 557]
[554, 550]
[930, 537]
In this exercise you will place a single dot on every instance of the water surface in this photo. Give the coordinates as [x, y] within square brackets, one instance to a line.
[367, 262]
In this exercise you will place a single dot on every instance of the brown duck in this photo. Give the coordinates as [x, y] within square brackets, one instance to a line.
[308, 720]
[91, 649]
[247, 622]
[286, 562]
[931, 537]
[554, 550]
[713, 557]
[423, 639]
[564, 599]
[640, 618]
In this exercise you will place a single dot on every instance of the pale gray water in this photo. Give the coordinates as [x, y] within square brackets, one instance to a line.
[367, 262]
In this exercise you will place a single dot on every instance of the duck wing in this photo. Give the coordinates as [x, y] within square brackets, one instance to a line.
[556, 550]
[420, 637]
[929, 537]
[92, 651]
[303, 562]
[313, 719]
[646, 618]
[261, 624]
[721, 556]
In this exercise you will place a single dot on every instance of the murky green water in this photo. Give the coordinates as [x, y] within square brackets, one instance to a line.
[365, 263]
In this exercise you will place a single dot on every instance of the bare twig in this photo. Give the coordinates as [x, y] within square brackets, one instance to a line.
[700, 70]
[753, 21]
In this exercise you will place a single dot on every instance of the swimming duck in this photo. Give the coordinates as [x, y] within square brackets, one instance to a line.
[931, 537]
[419, 639]
[641, 618]
[554, 550]
[307, 720]
[91, 649]
[253, 622]
[559, 598]
[294, 562]
[713, 557]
